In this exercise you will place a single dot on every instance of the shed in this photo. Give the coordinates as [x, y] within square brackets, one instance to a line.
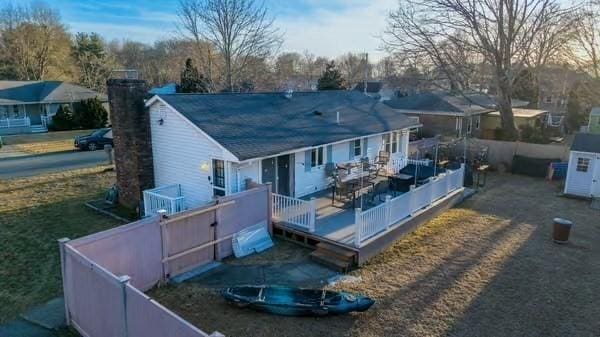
[594, 123]
[583, 174]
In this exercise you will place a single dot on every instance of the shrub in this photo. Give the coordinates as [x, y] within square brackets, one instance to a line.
[63, 119]
[90, 114]
[530, 134]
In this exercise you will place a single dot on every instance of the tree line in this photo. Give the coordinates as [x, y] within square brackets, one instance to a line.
[501, 47]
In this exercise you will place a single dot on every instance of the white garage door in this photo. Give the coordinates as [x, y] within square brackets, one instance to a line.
[581, 174]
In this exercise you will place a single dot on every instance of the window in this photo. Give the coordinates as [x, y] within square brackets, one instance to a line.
[4, 112]
[316, 157]
[470, 126]
[394, 142]
[386, 143]
[357, 147]
[548, 99]
[15, 111]
[477, 122]
[583, 164]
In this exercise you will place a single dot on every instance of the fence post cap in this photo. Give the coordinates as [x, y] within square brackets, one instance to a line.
[388, 198]
[216, 334]
[63, 240]
[124, 278]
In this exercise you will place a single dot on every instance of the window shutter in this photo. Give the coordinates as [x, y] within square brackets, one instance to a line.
[365, 146]
[307, 160]
[329, 154]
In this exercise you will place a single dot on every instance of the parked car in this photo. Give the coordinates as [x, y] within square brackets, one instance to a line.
[95, 140]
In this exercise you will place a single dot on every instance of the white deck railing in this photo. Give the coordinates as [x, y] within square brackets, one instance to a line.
[379, 219]
[14, 122]
[168, 198]
[294, 211]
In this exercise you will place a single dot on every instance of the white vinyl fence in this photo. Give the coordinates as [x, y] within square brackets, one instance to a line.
[294, 211]
[168, 198]
[379, 219]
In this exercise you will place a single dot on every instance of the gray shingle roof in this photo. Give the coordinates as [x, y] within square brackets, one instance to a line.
[586, 142]
[263, 124]
[431, 102]
[22, 92]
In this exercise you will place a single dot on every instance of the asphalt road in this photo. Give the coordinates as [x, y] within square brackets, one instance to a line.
[49, 163]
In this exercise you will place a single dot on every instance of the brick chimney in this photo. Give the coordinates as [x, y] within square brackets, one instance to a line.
[132, 142]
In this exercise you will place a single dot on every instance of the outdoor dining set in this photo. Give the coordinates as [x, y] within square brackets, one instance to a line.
[371, 181]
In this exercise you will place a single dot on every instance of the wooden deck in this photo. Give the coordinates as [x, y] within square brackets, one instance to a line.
[335, 224]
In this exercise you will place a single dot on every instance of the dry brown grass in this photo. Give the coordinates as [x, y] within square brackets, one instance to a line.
[46, 147]
[487, 268]
[39, 143]
[34, 213]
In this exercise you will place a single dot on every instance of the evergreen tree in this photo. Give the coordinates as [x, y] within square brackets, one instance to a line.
[63, 119]
[191, 79]
[331, 79]
[90, 114]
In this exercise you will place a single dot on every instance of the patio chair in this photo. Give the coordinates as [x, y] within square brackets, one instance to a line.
[373, 170]
[342, 189]
[382, 159]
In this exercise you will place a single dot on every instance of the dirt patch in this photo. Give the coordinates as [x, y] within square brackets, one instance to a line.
[487, 268]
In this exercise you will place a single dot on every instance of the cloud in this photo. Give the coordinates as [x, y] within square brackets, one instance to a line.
[351, 28]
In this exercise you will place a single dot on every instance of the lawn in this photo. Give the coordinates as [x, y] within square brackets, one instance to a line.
[38, 143]
[485, 268]
[34, 213]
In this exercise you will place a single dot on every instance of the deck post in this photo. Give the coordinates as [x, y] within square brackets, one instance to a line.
[388, 211]
[61, 244]
[123, 281]
[313, 214]
[357, 218]
[462, 167]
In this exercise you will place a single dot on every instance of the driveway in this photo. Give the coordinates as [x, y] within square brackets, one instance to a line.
[27, 166]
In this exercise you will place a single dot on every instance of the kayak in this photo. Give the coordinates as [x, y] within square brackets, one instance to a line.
[296, 301]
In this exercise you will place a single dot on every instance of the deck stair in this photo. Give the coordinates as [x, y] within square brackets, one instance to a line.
[38, 129]
[334, 257]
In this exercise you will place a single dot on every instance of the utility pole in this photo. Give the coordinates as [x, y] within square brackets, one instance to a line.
[366, 71]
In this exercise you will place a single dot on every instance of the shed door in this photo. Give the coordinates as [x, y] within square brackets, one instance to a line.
[581, 174]
[596, 179]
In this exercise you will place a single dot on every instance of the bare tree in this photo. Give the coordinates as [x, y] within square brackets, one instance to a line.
[240, 30]
[34, 43]
[501, 32]
[587, 45]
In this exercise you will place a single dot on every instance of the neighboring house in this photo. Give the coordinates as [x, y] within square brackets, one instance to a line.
[28, 106]
[214, 144]
[583, 175]
[444, 114]
[169, 88]
[594, 121]
[531, 117]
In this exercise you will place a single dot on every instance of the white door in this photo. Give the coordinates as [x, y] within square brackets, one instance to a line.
[596, 179]
[581, 174]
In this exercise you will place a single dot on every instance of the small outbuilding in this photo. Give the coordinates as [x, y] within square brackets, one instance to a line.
[583, 175]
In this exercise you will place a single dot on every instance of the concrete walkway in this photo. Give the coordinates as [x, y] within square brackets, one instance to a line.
[41, 321]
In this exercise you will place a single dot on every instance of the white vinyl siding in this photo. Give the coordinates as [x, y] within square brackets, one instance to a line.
[182, 155]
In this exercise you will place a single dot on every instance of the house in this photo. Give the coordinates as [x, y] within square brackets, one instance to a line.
[594, 121]
[523, 117]
[445, 114]
[28, 106]
[311, 148]
[214, 144]
[583, 173]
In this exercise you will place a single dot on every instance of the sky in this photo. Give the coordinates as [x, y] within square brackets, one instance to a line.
[323, 27]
